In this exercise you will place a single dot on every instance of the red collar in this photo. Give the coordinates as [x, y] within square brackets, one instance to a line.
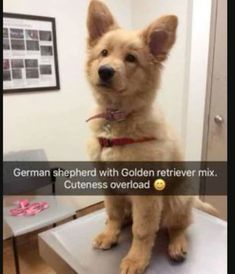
[104, 142]
[116, 115]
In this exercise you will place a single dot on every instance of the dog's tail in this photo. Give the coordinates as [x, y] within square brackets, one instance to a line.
[199, 204]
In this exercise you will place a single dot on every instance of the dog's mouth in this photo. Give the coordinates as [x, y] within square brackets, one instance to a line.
[107, 86]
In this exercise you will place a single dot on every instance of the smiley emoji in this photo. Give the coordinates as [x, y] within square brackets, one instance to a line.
[159, 184]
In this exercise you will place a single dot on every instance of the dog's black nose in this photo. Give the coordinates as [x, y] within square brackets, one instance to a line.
[106, 72]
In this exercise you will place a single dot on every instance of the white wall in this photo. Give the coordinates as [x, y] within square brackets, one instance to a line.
[197, 80]
[55, 120]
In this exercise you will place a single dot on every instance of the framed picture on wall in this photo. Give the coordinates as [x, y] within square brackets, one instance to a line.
[30, 61]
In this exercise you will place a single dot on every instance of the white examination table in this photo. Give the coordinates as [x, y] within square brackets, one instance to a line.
[68, 249]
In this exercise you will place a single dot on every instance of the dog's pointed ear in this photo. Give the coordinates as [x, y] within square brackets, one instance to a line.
[160, 36]
[99, 21]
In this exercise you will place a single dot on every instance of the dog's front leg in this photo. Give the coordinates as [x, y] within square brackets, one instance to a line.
[146, 219]
[115, 207]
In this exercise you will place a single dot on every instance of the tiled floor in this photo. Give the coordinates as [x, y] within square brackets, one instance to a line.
[30, 261]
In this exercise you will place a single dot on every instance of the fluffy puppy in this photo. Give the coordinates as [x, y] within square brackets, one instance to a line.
[124, 69]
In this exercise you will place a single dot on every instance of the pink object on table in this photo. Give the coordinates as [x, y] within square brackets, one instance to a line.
[24, 208]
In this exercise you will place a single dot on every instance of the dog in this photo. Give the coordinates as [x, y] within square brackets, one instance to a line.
[124, 70]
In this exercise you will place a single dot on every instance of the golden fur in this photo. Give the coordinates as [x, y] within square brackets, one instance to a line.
[133, 90]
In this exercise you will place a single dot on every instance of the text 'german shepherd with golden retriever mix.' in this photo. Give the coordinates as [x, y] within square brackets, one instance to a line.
[124, 69]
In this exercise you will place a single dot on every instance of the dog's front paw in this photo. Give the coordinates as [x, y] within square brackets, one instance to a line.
[105, 241]
[131, 265]
[178, 250]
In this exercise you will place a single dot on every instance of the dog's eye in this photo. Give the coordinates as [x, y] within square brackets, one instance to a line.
[104, 52]
[130, 58]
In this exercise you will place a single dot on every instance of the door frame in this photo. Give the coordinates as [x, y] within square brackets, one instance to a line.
[209, 79]
[220, 202]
